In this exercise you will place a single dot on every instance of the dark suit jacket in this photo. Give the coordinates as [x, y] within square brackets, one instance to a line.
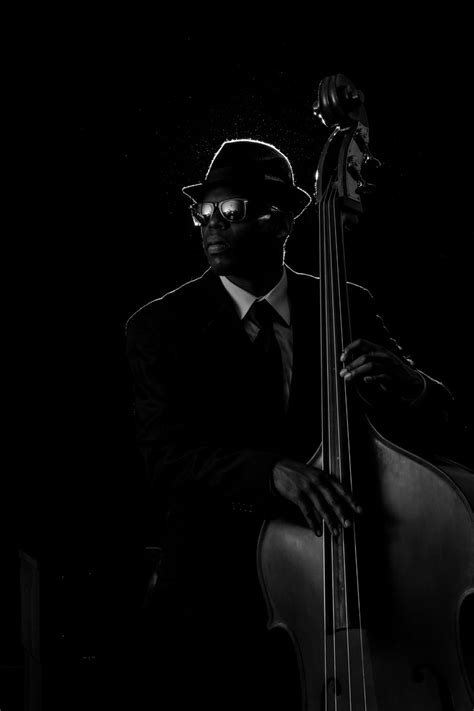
[208, 442]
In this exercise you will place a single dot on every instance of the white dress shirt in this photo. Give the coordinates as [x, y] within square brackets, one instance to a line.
[278, 298]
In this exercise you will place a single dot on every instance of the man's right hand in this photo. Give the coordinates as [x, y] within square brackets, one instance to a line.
[319, 496]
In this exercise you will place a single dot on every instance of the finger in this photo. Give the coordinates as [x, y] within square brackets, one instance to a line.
[327, 507]
[347, 496]
[339, 505]
[382, 378]
[375, 355]
[366, 369]
[313, 519]
[359, 345]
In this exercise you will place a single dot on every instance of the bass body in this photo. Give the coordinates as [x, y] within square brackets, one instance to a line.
[416, 572]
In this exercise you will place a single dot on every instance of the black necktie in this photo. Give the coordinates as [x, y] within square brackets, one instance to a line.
[268, 353]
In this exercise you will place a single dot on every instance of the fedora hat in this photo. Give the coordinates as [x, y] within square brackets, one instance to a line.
[253, 168]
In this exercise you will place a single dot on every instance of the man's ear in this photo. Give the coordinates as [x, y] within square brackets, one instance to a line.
[279, 223]
[286, 223]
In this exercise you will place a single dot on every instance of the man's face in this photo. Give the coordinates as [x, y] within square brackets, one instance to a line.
[240, 248]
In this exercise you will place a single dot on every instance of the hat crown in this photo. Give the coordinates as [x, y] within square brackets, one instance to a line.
[252, 159]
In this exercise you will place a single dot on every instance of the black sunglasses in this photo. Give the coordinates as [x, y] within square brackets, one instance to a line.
[231, 209]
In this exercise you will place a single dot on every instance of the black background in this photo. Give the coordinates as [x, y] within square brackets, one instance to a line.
[110, 120]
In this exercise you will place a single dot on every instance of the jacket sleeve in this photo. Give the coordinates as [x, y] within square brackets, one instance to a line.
[181, 458]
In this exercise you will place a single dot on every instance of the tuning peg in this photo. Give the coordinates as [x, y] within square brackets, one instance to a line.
[353, 96]
[354, 169]
[371, 159]
[365, 188]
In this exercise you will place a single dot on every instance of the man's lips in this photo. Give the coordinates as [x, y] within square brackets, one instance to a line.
[217, 245]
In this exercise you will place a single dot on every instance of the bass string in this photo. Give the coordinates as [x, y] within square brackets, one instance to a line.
[332, 425]
[328, 441]
[343, 285]
[343, 299]
[330, 431]
[331, 273]
[324, 419]
[337, 343]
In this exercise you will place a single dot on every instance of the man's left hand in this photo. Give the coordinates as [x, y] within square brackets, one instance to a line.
[374, 364]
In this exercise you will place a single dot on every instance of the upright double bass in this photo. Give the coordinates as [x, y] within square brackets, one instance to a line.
[374, 613]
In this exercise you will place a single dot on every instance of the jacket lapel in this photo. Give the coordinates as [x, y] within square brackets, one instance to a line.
[222, 324]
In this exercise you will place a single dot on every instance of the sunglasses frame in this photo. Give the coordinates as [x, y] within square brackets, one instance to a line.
[218, 204]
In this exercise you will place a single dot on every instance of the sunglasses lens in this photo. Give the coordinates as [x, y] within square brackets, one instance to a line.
[233, 210]
[206, 209]
[201, 215]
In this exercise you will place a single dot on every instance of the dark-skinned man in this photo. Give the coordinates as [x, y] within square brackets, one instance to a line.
[225, 378]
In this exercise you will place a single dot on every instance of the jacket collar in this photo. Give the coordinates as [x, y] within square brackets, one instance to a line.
[219, 303]
[276, 297]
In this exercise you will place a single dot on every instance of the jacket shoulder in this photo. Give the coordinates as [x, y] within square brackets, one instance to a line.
[169, 307]
[310, 281]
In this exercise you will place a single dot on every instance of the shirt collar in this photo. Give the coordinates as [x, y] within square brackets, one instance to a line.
[277, 297]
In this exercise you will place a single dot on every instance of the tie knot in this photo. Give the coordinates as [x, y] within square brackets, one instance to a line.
[263, 313]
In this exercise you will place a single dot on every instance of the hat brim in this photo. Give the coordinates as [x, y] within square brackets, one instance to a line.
[292, 198]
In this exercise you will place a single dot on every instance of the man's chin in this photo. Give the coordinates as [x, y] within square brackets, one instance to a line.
[220, 266]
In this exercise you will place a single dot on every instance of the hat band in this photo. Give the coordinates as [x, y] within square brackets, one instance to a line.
[231, 175]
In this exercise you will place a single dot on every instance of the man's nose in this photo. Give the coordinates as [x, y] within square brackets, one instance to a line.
[216, 219]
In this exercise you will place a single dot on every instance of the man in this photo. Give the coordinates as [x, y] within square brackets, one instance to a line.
[227, 406]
